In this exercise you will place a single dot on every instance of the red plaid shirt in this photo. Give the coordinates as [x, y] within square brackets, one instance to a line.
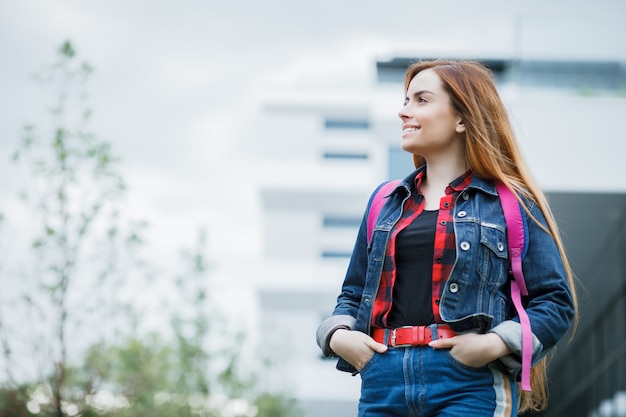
[444, 254]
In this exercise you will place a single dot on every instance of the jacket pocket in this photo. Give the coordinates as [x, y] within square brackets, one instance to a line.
[493, 259]
[494, 239]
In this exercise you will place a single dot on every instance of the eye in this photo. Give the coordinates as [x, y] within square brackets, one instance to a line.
[416, 99]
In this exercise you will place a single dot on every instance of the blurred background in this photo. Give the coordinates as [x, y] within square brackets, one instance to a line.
[181, 184]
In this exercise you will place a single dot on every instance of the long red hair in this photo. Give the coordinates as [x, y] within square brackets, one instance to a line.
[491, 152]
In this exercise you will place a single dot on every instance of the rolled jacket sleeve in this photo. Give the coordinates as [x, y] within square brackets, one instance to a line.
[328, 327]
[511, 333]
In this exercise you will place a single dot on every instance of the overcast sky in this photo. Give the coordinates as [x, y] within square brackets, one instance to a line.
[177, 82]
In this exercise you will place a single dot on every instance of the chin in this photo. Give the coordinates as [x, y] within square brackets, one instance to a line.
[407, 148]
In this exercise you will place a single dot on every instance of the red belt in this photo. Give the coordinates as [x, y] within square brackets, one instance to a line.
[411, 335]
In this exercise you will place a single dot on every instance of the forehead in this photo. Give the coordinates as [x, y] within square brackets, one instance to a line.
[426, 80]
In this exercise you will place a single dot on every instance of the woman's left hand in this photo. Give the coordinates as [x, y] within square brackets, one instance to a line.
[473, 349]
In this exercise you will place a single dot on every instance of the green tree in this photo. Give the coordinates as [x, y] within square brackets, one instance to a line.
[88, 353]
[72, 197]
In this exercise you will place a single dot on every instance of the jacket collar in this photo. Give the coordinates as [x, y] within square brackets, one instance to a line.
[484, 185]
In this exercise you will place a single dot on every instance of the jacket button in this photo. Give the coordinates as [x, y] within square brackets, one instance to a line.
[462, 213]
[500, 246]
[465, 196]
[454, 287]
[465, 245]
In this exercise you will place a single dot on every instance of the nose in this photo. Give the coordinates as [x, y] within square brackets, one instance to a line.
[402, 113]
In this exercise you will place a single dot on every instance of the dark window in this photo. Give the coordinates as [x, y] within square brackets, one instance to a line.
[341, 221]
[347, 124]
[335, 254]
[346, 155]
[400, 163]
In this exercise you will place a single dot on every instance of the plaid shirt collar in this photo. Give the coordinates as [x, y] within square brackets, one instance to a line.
[456, 186]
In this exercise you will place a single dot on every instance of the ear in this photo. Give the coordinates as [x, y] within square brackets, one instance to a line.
[460, 126]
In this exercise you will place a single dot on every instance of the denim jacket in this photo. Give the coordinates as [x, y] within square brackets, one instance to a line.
[476, 296]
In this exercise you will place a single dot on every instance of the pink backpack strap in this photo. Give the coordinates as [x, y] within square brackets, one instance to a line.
[377, 204]
[515, 237]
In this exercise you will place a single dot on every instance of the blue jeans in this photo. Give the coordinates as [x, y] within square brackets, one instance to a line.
[422, 381]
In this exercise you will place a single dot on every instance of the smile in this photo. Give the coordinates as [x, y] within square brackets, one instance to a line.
[409, 129]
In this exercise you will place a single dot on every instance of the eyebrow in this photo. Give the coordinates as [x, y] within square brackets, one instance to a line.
[419, 93]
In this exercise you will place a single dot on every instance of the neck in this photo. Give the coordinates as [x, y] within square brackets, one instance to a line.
[440, 174]
[438, 177]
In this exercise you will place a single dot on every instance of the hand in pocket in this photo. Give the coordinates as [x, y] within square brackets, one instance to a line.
[355, 347]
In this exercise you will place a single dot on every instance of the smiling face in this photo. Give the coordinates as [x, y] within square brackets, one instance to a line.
[430, 126]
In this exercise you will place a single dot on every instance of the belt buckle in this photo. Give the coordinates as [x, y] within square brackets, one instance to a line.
[418, 336]
[393, 337]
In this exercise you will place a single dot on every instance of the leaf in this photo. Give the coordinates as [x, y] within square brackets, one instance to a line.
[67, 50]
[27, 299]
[86, 68]
[112, 232]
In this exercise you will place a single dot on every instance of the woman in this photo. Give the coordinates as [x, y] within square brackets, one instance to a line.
[436, 270]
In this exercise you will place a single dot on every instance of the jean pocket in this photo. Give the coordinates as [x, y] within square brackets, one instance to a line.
[457, 363]
[369, 363]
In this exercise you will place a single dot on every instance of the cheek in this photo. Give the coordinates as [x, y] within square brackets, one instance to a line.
[443, 120]
[432, 116]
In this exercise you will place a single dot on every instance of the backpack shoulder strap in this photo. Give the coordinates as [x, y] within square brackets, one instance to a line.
[377, 204]
[515, 232]
[515, 238]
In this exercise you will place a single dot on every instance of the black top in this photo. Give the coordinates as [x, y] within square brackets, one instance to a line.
[412, 290]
